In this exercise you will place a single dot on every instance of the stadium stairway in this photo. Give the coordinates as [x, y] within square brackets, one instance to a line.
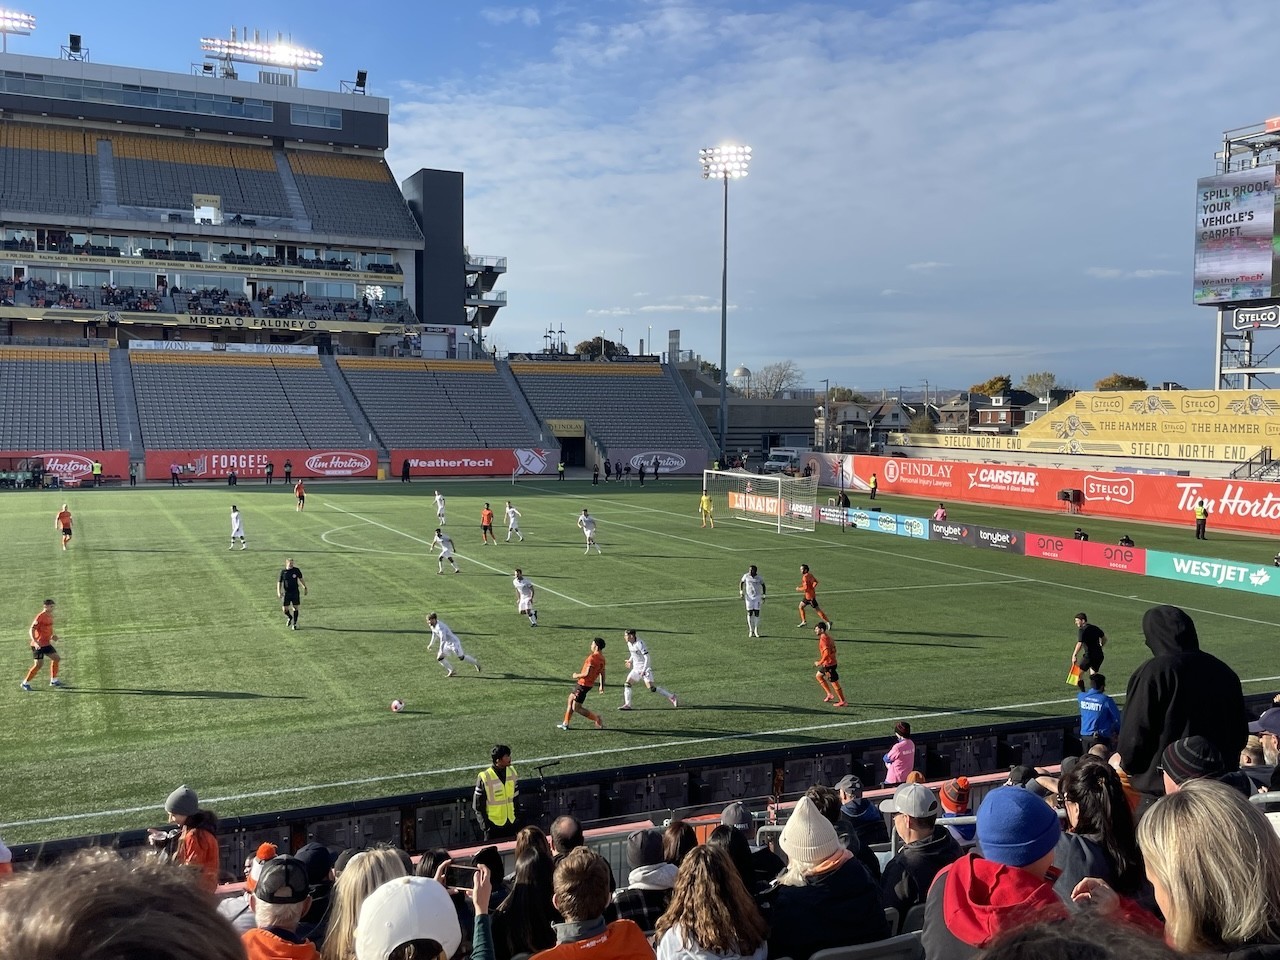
[292, 194]
[126, 403]
[521, 401]
[351, 404]
[686, 398]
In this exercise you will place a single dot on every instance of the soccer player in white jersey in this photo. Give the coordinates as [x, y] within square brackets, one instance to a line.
[587, 524]
[640, 671]
[524, 597]
[445, 543]
[440, 508]
[237, 529]
[513, 522]
[751, 591]
[450, 645]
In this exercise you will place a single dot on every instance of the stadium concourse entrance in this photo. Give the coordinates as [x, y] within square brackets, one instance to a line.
[573, 451]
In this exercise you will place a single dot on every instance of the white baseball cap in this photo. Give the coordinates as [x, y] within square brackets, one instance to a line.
[404, 909]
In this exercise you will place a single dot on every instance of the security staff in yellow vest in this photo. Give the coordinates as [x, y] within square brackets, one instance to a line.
[1202, 519]
[494, 801]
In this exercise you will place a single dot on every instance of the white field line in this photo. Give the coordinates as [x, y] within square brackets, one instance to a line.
[825, 593]
[533, 761]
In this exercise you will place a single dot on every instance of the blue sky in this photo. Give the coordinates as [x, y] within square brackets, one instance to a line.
[940, 191]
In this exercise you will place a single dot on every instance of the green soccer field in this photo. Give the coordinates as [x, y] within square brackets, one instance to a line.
[179, 668]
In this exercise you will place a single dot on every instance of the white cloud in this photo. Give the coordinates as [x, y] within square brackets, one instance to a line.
[528, 16]
[987, 133]
[1114, 273]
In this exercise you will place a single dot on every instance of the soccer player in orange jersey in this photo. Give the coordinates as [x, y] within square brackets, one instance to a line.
[592, 670]
[300, 492]
[63, 522]
[486, 526]
[808, 591]
[42, 637]
[828, 675]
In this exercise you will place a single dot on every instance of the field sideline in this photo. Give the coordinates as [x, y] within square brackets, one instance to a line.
[180, 669]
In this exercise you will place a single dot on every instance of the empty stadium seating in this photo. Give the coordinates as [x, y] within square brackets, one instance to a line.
[624, 404]
[437, 403]
[54, 399]
[353, 195]
[248, 401]
[47, 169]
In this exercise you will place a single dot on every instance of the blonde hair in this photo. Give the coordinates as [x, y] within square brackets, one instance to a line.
[1219, 859]
[363, 874]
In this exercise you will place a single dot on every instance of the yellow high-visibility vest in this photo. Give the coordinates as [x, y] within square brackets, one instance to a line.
[499, 797]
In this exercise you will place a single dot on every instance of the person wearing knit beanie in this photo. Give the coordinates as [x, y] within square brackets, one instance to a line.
[239, 910]
[954, 799]
[197, 843]
[1015, 827]
[825, 897]
[182, 802]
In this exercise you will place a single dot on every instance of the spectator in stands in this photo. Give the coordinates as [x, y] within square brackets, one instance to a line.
[96, 906]
[522, 922]
[566, 836]
[766, 862]
[927, 847]
[976, 899]
[1100, 839]
[363, 874]
[318, 860]
[581, 894]
[491, 858]
[677, 840]
[828, 803]
[1253, 761]
[1267, 728]
[1181, 691]
[824, 898]
[954, 800]
[738, 849]
[1084, 935]
[1214, 861]
[648, 889]
[867, 820]
[1099, 715]
[238, 911]
[280, 898]
[414, 917]
[712, 915]
[1195, 758]
[532, 837]
[196, 842]
[901, 757]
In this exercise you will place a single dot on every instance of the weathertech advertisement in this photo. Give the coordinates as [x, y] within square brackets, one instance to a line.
[76, 465]
[1240, 505]
[1235, 221]
[473, 463]
[252, 464]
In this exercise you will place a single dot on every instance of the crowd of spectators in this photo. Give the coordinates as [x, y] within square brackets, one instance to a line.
[1151, 850]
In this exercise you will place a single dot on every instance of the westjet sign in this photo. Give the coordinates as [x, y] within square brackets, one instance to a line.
[1249, 577]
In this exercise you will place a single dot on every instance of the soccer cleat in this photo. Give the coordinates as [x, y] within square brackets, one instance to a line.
[802, 624]
[439, 571]
[244, 546]
[477, 666]
[625, 706]
[55, 682]
[295, 625]
[26, 686]
[451, 673]
[828, 699]
[457, 569]
[842, 703]
[599, 723]
[674, 701]
[232, 547]
[559, 726]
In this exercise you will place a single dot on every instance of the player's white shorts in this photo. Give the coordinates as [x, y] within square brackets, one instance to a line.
[237, 531]
[589, 533]
[446, 554]
[450, 649]
[644, 676]
[525, 605]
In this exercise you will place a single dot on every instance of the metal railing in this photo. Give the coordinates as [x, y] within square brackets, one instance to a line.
[1255, 465]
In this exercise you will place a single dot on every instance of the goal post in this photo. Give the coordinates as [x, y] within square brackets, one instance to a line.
[784, 503]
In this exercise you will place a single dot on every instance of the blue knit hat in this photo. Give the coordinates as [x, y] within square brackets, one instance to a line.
[1015, 827]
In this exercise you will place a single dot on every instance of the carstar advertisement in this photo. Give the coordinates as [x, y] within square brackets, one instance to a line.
[1239, 505]
[215, 464]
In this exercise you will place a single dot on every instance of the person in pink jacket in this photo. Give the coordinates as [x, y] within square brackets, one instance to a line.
[901, 758]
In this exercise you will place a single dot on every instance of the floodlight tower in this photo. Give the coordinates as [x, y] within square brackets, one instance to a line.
[724, 163]
[278, 54]
[15, 22]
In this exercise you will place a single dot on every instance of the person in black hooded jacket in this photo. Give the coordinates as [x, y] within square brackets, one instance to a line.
[1180, 692]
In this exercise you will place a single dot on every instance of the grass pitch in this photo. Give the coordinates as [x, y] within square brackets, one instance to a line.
[180, 669]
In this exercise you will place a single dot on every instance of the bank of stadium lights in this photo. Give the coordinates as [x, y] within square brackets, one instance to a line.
[726, 162]
[16, 22]
[278, 54]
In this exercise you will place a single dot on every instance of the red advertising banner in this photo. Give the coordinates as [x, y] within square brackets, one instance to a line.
[669, 461]
[1050, 547]
[215, 464]
[76, 465]
[472, 463]
[1241, 505]
[1110, 557]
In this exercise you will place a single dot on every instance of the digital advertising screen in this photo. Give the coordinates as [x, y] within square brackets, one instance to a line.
[1235, 236]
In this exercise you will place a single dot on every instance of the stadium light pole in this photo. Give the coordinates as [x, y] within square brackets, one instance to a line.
[724, 163]
[826, 425]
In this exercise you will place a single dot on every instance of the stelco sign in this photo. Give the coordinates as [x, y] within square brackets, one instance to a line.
[1251, 318]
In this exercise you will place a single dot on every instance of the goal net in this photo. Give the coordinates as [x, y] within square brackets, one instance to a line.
[784, 503]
